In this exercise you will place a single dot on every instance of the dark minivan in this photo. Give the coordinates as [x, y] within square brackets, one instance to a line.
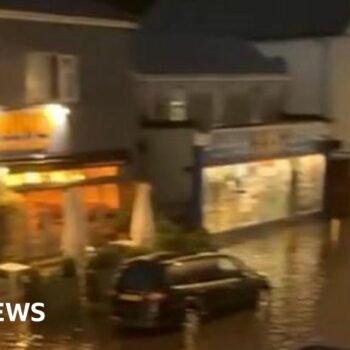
[155, 290]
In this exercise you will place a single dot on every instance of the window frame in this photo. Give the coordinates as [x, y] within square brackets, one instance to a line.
[178, 101]
[56, 81]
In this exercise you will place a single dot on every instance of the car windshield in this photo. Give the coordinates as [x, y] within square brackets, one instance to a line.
[142, 276]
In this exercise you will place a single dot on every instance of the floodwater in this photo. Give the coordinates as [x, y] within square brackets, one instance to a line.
[309, 267]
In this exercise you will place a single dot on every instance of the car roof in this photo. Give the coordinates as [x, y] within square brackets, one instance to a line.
[173, 257]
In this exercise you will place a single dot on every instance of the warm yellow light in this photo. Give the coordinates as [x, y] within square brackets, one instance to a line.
[58, 177]
[13, 267]
[39, 156]
[58, 113]
[4, 171]
[14, 180]
[77, 177]
[32, 178]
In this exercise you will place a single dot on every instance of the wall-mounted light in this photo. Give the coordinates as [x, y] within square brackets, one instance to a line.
[58, 113]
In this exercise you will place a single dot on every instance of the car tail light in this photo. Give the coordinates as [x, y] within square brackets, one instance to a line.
[155, 296]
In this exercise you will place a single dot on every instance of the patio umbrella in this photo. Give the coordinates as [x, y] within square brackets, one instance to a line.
[142, 221]
[74, 238]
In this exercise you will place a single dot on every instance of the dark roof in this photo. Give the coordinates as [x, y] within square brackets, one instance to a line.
[250, 19]
[196, 54]
[81, 8]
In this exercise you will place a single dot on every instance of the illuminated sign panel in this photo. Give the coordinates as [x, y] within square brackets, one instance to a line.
[30, 129]
[234, 145]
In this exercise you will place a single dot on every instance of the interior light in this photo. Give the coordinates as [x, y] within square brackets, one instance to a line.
[58, 177]
[14, 180]
[77, 177]
[58, 113]
[39, 156]
[32, 178]
[13, 267]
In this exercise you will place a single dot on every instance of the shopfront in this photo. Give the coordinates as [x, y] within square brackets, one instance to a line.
[256, 175]
[43, 195]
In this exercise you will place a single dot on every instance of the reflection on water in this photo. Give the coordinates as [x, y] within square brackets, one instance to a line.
[309, 303]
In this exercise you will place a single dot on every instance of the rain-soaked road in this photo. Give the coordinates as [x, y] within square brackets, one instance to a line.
[309, 268]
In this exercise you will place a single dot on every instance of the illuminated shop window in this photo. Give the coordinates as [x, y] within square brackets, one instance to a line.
[309, 174]
[58, 177]
[245, 194]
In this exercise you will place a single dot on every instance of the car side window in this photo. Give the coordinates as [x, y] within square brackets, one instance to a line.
[202, 270]
[179, 273]
[228, 268]
[193, 271]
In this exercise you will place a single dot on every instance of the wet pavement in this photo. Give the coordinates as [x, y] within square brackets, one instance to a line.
[309, 268]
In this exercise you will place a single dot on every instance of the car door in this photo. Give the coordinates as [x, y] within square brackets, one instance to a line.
[211, 285]
[188, 282]
[238, 288]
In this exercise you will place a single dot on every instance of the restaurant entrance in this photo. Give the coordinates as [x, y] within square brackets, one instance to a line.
[47, 190]
[41, 199]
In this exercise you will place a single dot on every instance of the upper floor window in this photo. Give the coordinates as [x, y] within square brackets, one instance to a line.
[178, 105]
[51, 77]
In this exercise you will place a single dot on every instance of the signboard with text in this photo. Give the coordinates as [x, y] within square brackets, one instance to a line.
[25, 130]
[240, 144]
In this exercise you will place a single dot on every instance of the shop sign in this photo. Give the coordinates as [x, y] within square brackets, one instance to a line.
[231, 145]
[27, 129]
[268, 142]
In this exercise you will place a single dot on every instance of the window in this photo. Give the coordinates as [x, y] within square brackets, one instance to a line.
[51, 77]
[39, 73]
[192, 271]
[228, 268]
[68, 86]
[202, 270]
[178, 105]
[144, 276]
[181, 273]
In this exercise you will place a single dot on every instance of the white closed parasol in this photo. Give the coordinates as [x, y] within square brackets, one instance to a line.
[142, 221]
[74, 238]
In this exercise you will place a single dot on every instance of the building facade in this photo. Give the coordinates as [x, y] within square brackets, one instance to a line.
[68, 124]
[260, 174]
[215, 143]
[218, 144]
[319, 67]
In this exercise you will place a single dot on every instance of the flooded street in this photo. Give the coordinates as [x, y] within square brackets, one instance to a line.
[310, 272]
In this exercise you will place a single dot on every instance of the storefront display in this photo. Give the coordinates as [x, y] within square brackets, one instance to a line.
[309, 182]
[244, 194]
[51, 199]
[36, 199]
